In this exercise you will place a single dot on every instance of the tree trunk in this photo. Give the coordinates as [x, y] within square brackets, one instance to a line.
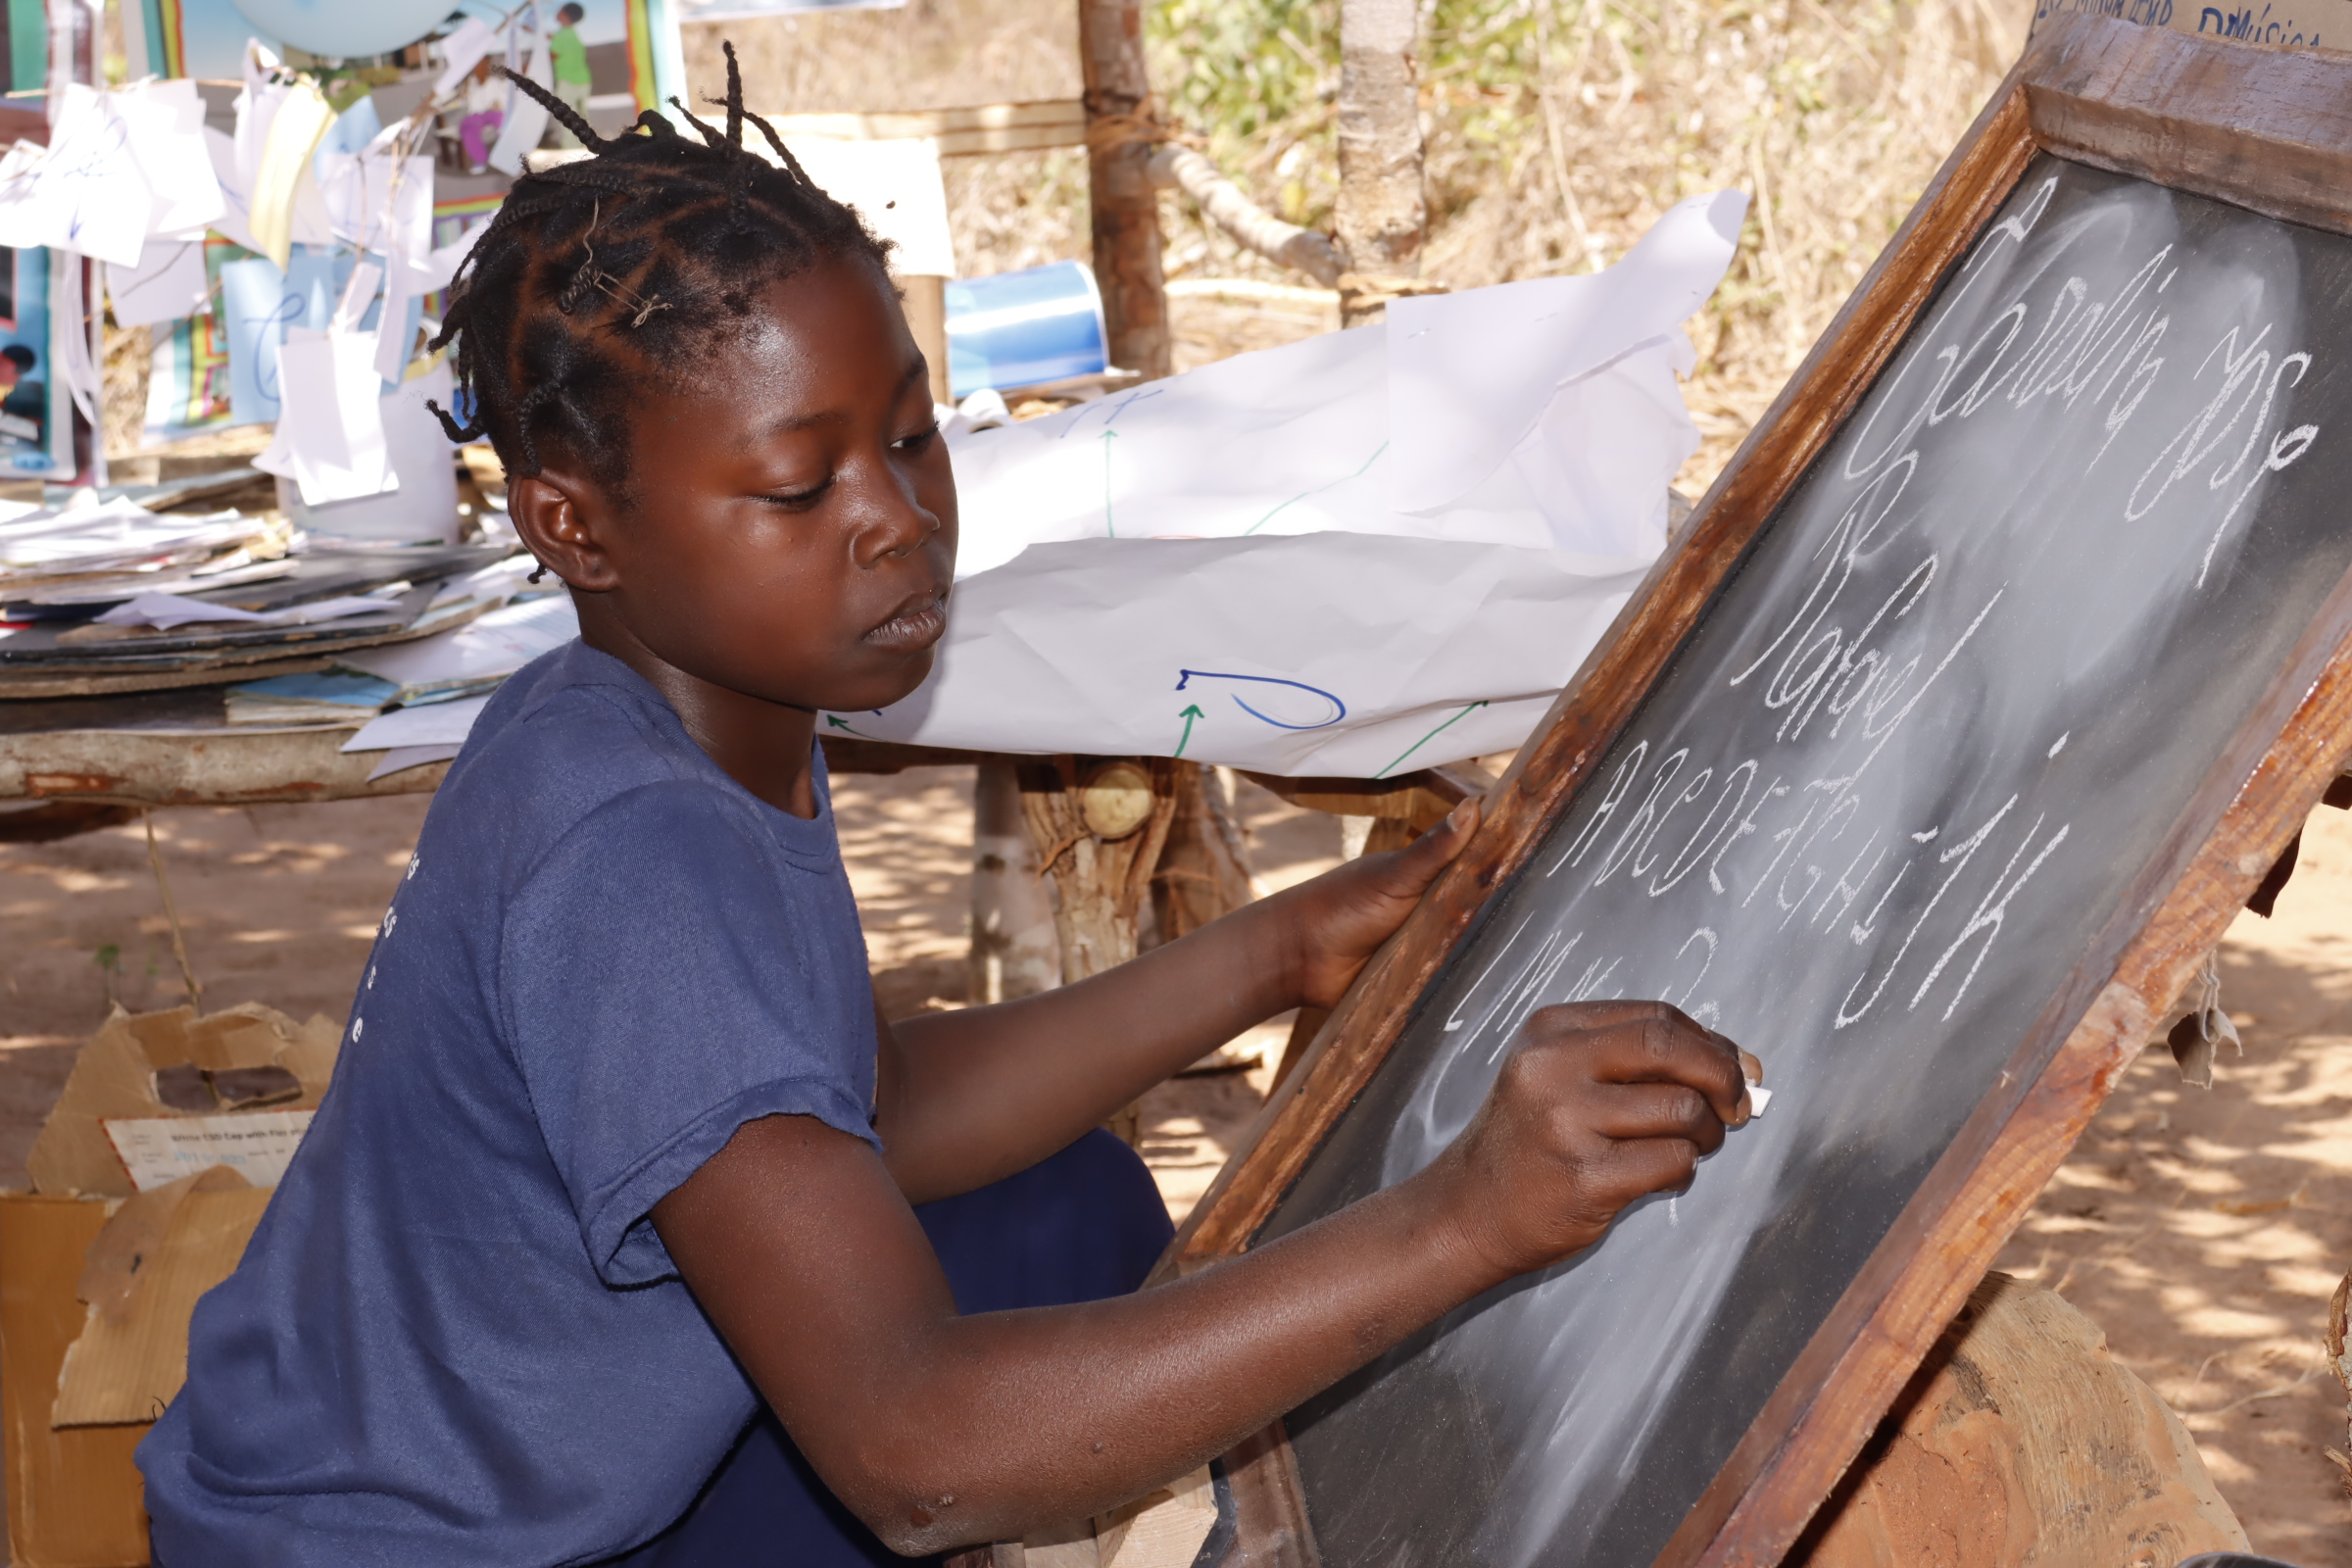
[1017, 951]
[1203, 871]
[1100, 830]
[1381, 218]
[1125, 205]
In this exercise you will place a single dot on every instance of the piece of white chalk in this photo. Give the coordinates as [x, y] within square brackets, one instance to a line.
[1758, 1096]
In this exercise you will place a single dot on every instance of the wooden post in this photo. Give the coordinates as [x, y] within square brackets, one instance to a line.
[1381, 218]
[1015, 950]
[1124, 203]
[1099, 825]
[1203, 870]
[925, 300]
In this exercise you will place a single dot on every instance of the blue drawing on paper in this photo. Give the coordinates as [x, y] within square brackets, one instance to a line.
[1306, 707]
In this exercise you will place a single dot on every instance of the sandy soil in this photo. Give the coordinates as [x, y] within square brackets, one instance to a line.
[2203, 1230]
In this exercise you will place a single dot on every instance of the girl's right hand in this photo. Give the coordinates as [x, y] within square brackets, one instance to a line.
[1599, 1104]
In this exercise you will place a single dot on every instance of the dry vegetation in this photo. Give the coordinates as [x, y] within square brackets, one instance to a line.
[1558, 132]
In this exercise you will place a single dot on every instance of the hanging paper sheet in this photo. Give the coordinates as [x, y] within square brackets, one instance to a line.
[188, 377]
[261, 304]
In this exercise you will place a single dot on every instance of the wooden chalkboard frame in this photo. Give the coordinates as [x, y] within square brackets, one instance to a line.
[2268, 131]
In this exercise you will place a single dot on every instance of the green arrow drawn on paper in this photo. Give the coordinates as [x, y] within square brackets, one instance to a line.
[1191, 713]
[1107, 436]
[1431, 736]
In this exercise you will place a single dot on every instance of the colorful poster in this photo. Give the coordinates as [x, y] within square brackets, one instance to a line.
[732, 9]
[34, 441]
[187, 383]
[200, 39]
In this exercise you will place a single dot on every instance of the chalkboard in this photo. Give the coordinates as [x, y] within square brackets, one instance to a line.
[1889, 816]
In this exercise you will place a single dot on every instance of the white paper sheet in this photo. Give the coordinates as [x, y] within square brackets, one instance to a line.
[236, 220]
[168, 611]
[896, 187]
[167, 283]
[1312, 560]
[500, 643]
[1309, 436]
[84, 192]
[1471, 374]
[165, 123]
[434, 724]
[467, 42]
[400, 759]
[527, 117]
[331, 425]
[1323, 653]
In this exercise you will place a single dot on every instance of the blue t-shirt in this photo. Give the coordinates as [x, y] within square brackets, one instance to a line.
[456, 1336]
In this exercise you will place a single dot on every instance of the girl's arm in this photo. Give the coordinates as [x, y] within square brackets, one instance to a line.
[939, 1429]
[970, 1096]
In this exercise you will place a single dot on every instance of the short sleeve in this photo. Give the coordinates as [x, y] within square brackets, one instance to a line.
[666, 975]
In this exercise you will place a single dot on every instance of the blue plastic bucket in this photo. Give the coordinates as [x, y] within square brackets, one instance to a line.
[1016, 329]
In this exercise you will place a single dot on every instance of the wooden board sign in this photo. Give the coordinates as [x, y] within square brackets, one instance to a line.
[1987, 681]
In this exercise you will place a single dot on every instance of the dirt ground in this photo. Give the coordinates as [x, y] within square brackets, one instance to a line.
[2203, 1230]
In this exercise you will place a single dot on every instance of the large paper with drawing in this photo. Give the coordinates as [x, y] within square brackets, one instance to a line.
[1886, 801]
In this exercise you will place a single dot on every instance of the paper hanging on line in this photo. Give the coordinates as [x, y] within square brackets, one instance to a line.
[167, 282]
[164, 126]
[1332, 653]
[330, 428]
[526, 120]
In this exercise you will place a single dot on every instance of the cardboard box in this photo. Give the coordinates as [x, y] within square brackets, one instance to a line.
[73, 1495]
[100, 1268]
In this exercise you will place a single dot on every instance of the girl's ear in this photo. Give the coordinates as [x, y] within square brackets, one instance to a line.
[557, 518]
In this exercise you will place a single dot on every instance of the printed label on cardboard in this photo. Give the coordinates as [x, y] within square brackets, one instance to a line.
[159, 1149]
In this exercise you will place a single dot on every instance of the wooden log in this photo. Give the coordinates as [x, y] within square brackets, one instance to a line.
[1099, 824]
[1381, 217]
[925, 300]
[1125, 205]
[961, 132]
[1017, 951]
[1203, 869]
[1304, 250]
[2020, 1441]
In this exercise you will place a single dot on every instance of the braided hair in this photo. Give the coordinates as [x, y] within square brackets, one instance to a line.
[636, 259]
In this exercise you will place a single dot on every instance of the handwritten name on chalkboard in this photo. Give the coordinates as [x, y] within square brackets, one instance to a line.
[1880, 810]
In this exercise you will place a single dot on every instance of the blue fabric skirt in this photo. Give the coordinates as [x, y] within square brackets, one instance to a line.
[1085, 1224]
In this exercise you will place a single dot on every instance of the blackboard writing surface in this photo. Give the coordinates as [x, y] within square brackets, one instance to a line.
[1878, 811]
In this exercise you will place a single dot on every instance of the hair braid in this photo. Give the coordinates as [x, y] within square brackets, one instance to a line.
[634, 260]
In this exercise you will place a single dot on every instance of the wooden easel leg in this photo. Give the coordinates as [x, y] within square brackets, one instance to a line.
[1380, 834]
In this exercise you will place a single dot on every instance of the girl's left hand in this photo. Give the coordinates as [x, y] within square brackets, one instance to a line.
[1338, 919]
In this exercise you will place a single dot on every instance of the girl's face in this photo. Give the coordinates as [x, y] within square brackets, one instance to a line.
[791, 529]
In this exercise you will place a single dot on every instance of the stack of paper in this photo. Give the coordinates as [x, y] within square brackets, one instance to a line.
[118, 549]
[469, 660]
[329, 697]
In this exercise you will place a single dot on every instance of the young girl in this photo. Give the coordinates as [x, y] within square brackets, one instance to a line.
[618, 1156]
